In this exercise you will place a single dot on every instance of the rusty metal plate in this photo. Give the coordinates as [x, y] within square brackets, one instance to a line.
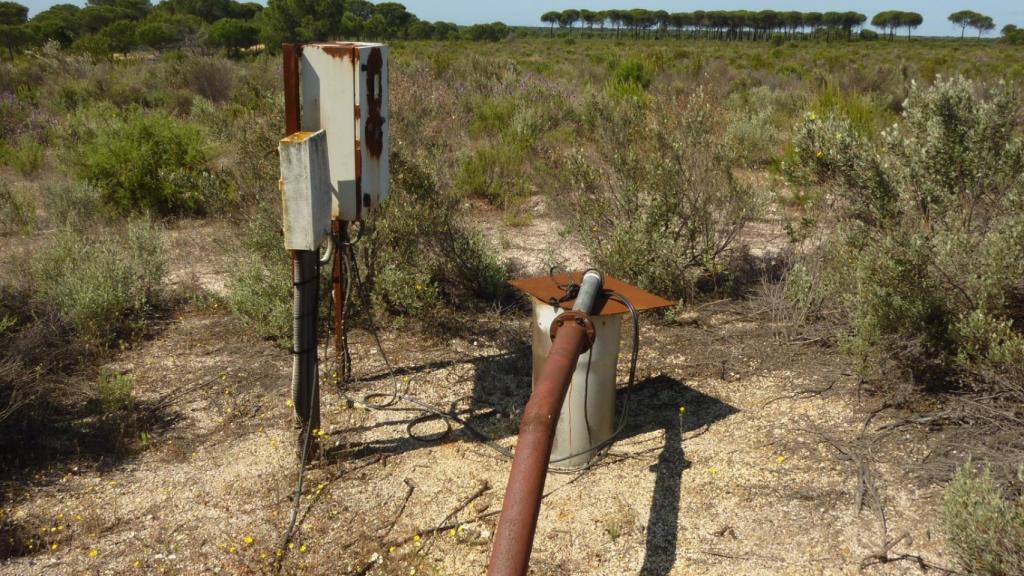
[547, 288]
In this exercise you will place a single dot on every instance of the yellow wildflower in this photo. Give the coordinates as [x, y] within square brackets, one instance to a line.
[303, 548]
[682, 409]
[94, 553]
[232, 550]
[53, 546]
[248, 540]
[780, 459]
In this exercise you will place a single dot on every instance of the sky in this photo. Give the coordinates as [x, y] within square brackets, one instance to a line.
[527, 12]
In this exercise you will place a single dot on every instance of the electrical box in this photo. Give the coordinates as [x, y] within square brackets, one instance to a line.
[305, 190]
[344, 91]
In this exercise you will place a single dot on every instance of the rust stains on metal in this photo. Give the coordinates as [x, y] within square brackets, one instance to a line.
[375, 95]
[341, 50]
[517, 525]
[297, 137]
[548, 288]
[292, 113]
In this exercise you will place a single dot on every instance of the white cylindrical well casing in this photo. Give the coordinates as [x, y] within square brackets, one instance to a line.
[588, 413]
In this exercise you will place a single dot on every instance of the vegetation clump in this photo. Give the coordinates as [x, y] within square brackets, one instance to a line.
[145, 161]
[658, 203]
[984, 528]
[103, 286]
[929, 226]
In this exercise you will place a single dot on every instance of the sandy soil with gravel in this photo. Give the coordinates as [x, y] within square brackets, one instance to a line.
[743, 454]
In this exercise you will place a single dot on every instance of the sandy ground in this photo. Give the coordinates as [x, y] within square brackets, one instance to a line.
[743, 454]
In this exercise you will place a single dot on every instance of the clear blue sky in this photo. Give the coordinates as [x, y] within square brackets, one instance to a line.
[527, 12]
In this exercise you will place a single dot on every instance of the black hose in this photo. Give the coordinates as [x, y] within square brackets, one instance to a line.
[305, 380]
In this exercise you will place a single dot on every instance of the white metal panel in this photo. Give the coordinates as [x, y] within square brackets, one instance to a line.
[328, 86]
[305, 190]
[333, 85]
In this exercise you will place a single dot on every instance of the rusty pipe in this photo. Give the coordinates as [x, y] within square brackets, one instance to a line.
[517, 525]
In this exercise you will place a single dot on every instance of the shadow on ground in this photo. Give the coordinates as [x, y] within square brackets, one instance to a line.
[501, 388]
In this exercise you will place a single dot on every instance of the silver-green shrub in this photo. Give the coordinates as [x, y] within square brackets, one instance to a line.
[656, 201]
[104, 284]
[984, 528]
[930, 225]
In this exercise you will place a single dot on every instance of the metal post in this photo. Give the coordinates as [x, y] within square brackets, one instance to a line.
[292, 115]
[517, 525]
[339, 234]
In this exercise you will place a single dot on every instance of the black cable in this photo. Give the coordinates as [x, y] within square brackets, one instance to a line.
[308, 427]
[397, 395]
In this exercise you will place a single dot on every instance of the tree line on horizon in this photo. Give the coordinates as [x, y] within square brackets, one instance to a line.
[105, 27]
[748, 24]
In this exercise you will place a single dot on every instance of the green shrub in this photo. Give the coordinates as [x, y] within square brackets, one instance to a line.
[656, 203]
[984, 529]
[897, 304]
[73, 203]
[26, 156]
[492, 116]
[114, 392]
[262, 296]
[634, 71]
[260, 288]
[103, 285]
[493, 172]
[421, 255]
[988, 342]
[146, 162]
[929, 224]
[17, 210]
[213, 78]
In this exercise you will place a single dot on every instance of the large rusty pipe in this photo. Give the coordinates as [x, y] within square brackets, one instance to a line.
[517, 524]
[513, 540]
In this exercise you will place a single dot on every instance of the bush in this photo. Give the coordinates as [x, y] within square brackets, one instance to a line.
[262, 296]
[17, 210]
[260, 289]
[492, 172]
[25, 156]
[114, 392]
[73, 203]
[635, 72]
[656, 203]
[212, 78]
[143, 161]
[929, 222]
[104, 285]
[421, 255]
[984, 529]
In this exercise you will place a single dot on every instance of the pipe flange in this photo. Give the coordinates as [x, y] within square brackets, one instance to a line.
[577, 317]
